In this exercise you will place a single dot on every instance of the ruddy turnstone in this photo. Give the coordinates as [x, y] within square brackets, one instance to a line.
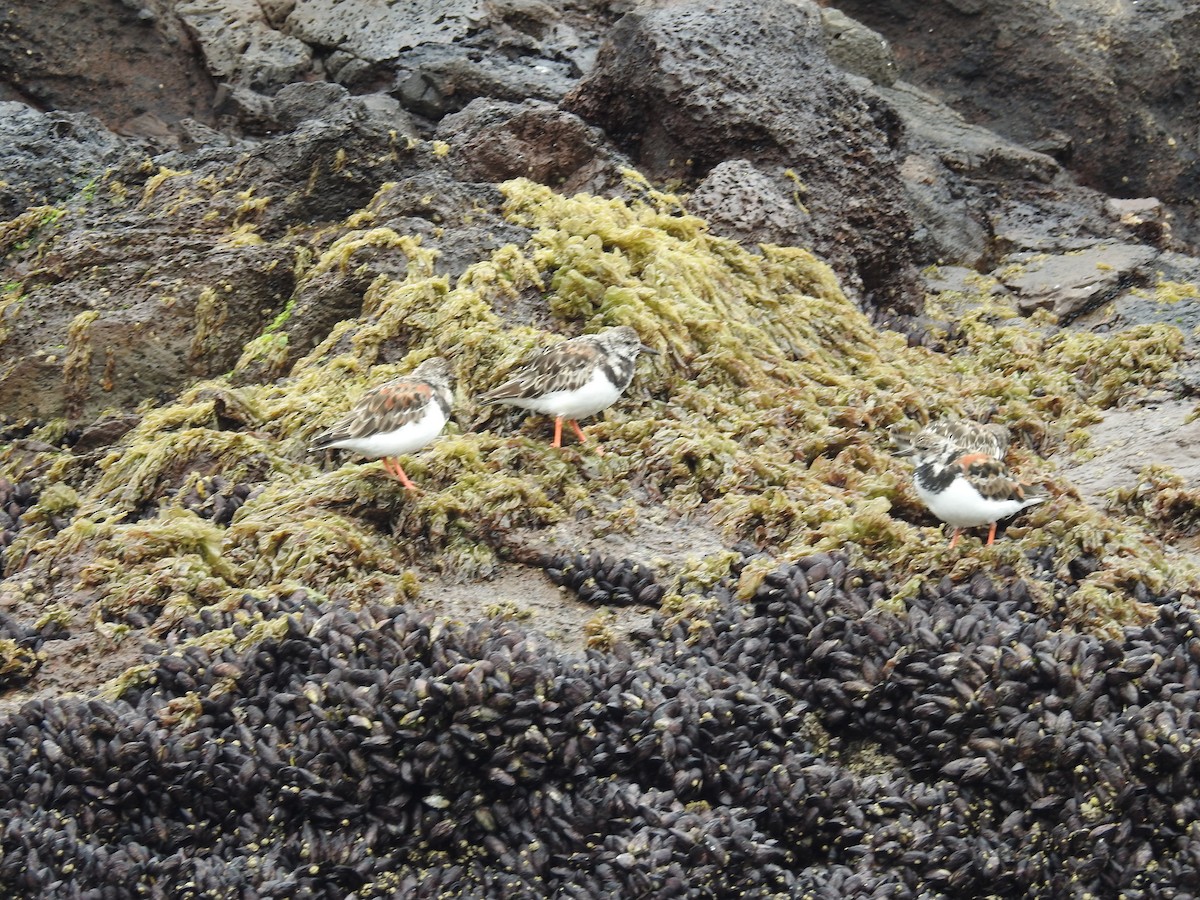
[574, 379]
[960, 475]
[401, 416]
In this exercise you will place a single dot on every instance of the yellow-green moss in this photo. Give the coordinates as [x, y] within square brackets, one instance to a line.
[77, 365]
[598, 630]
[1162, 500]
[251, 206]
[155, 182]
[211, 312]
[18, 233]
[243, 235]
[507, 609]
[17, 663]
[1173, 291]
[764, 415]
[12, 302]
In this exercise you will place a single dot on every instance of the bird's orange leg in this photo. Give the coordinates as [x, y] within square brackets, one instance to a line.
[392, 467]
[954, 540]
[991, 534]
[583, 437]
[557, 432]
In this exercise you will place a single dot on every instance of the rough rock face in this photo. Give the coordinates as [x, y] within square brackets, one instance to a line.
[694, 92]
[46, 157]
[983, 202]
[433, 57]
[132, 65]
[157, 278]
[494, 141]
[242, 45]
[1108, 89]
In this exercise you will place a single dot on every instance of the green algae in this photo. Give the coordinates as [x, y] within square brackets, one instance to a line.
[507, 609]
[78, 361]
[1161, 500]
[20, 232]
[17, 663]
[211, 313]
[157, 180]
[1166, 291]
[765, 415]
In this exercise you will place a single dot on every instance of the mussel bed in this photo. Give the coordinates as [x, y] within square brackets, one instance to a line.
[823, 739]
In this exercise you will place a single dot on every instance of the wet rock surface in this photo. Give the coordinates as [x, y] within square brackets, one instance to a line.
[1129, 440]
[496, 140]
[161, 275]
[132, 65]
[1072, 284]
[995, 65]
[48, 157]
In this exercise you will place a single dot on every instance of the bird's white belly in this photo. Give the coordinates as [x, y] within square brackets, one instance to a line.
[962, 506]
[405, 439]
[596, 394]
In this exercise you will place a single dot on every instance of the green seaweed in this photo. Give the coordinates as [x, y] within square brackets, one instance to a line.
[764, 415]
[20, 232]
[1161, 500]
[18, 664]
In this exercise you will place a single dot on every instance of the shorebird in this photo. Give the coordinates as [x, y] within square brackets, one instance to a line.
[573, 379]
[960, 475]
[399, 417]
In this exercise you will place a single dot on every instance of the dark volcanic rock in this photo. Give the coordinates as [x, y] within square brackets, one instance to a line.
[47, 157]
[437, 57]
[294, 105]
[110, 321]
[1108, 89]
[131, 64]
[687, 87]
[1072, 284]
[853, 47]
[435, 80]
[979, 196]
[242, 44]
[166, 280]
[493, 141]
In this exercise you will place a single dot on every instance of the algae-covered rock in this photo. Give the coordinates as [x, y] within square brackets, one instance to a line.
[154, 276]
[763, 420]
[721, 648]
[683, 88]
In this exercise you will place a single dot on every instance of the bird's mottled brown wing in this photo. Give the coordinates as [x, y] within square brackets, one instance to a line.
[962, 435]
[973, 437]
[903, 434]
[381, 410]
[563, 367]
[993, 479]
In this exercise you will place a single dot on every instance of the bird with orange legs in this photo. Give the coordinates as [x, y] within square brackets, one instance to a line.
[573, 379]
[960, 475]
[399, 417]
